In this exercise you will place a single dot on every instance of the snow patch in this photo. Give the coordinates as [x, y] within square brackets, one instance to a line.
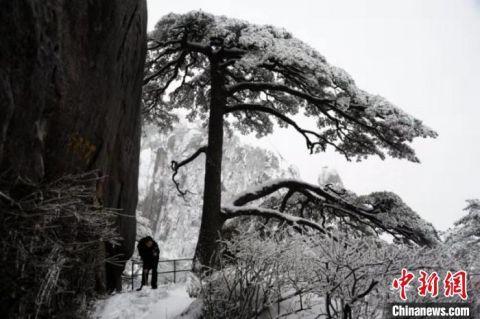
[166, 302]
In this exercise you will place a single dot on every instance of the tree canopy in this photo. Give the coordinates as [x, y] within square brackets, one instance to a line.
[268, 73]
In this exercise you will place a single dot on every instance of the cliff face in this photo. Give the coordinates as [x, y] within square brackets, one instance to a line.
[70, 87]
[175, 221]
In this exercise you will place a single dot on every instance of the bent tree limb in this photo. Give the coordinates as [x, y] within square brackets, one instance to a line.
[235, 211]
[339, 207]
[176, 166]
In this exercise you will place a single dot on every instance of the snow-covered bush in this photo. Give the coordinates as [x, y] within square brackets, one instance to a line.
[251, 277]
[287, 272]
[51, 228]
[273, 273]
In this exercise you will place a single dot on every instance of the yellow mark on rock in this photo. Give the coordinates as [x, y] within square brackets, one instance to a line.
[81, 147]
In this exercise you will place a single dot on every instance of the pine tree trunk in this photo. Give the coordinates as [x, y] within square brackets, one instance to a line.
[212, 220]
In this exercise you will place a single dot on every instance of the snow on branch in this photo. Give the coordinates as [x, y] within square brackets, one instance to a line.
[275, 185]
[236, 211]
[323, 106]
[391, 215]
[260, 86]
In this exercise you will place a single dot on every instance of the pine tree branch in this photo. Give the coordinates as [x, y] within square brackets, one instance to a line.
[285, 200]
[260, 86]
[175, 166]
[237, 211]
[159, 44]
[336, 204]
[253, 107]
[176, 62]
[323, 105]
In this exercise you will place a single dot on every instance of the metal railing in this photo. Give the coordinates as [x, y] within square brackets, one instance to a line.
[174, 271]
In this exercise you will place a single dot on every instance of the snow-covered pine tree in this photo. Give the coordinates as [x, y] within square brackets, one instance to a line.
[234, 74]
[464, 238]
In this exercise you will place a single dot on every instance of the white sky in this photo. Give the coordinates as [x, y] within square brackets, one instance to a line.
[423, 55]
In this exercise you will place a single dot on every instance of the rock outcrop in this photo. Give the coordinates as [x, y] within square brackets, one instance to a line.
[70, 87]
[330, 176]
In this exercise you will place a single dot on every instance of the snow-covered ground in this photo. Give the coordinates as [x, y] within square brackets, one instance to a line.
[166, 302]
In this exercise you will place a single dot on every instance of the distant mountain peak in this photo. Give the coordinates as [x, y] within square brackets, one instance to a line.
[329, 175]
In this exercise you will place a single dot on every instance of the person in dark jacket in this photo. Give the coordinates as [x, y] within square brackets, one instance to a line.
[149, 252]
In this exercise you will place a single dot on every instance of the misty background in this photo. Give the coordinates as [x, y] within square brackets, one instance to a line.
[420, 55]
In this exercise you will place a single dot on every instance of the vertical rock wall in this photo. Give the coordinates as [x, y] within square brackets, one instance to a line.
[70, 88]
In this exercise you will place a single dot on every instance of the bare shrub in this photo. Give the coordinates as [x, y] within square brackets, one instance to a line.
[276, 273]
[52, 246]
[250, 277]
